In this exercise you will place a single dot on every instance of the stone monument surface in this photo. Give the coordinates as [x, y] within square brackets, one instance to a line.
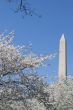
[62, 59]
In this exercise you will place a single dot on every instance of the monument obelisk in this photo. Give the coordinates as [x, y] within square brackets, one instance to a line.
[62, 59]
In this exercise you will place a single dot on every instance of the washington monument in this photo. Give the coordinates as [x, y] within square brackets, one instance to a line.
[62, 59]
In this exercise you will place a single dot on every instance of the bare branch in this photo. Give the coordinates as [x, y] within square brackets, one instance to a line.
[23, 7]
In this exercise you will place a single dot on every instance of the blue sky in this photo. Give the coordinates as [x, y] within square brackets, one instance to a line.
[44, 33]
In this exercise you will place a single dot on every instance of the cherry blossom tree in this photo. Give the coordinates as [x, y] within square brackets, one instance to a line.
[12, 60]
[21, 94]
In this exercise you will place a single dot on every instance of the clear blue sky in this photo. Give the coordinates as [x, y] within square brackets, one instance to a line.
[44, 33]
